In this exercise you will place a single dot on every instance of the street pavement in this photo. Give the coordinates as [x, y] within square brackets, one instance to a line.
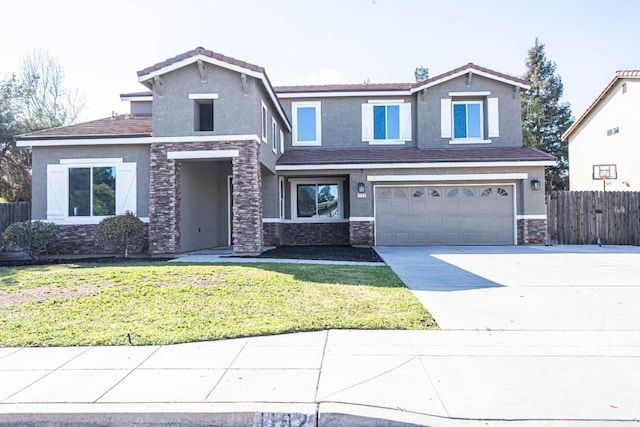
[530, 336]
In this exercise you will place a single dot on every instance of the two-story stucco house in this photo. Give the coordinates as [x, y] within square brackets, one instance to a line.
[213, 155]
[603, 142]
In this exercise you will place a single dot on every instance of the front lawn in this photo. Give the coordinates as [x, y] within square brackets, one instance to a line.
[166, 303]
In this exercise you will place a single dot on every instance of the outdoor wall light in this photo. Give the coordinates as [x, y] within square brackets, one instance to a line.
[361, 187]
[535, 185]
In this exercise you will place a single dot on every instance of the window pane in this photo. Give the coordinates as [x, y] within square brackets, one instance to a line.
[379, 122]
[393, 122]
[459, 121]
[306, 201]
[473, 112]
[306, 123]
[79, 191]
[327, 200]
[206, 116]
[104, 191]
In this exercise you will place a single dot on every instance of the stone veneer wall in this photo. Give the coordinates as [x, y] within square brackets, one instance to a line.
[164, 197]
[361, 233]
[532, 231]
[273, 233]
[80, 240]
[315, 233]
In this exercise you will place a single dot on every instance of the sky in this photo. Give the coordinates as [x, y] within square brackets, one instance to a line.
[101, 44]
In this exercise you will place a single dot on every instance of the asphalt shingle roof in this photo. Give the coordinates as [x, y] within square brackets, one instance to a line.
[122, 126]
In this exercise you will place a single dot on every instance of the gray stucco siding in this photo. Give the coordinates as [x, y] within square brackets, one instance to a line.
[429, 112]
[341, 122]
[42, 156]
[528, 202]
[234, 112]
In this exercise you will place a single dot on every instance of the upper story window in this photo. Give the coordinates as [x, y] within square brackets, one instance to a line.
[386, 122]
[264, 123]
[467, 120]
[469, 117]
[274, 136]
[306, 123]
[203, 111]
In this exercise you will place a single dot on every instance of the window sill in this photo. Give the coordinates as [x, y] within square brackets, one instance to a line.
[87, 220]
[469, 141]
[387, 142]
[314, 220]
[307, 144]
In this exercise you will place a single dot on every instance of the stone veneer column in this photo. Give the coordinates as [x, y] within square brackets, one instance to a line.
[532, 231]
[361, 233]
[164, 202]
[247, 200]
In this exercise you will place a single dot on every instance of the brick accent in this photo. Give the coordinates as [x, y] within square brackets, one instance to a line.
[164, 197]
[79, 240]
[315, 233]
[361, 233]
[272, 233]
[532, 231]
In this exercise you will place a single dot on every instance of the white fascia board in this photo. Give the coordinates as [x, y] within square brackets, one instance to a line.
[202, 154]
[448, 177]
[293, 95]
[148, 98]
[134, 141]
[474, 71]
[413, 165]
[188, 61]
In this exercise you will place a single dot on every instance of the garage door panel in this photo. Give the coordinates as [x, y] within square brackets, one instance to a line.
[441, 215]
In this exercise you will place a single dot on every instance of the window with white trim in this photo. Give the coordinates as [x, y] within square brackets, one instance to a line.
[465, 121]
[386, 122]
[281, 141]
[274, 136]
[203, 111]
[80, 190]
[264, 122]
[316, 199]
[307, 126]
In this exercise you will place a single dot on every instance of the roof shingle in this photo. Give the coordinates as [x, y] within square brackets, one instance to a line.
[411, 155]
[126, 125]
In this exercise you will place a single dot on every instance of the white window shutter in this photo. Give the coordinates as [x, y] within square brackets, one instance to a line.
[445, 118]
[126, 188]
[367, 122]
[56, 192]
[405, 121]
[492, 117]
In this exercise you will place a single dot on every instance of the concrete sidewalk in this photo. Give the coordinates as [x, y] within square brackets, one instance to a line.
[435, 378]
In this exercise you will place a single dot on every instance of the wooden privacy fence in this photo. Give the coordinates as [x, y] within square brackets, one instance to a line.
[14, 212]
[592, 217]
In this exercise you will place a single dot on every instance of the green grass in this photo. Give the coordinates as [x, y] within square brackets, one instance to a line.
[164, 303]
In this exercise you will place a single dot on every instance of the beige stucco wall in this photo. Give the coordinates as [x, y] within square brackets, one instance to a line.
[590, 145]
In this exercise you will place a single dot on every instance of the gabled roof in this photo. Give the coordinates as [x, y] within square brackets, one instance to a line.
[402, 88]
[412, 155]
[147, 75]
[124, 126]
[622, 74]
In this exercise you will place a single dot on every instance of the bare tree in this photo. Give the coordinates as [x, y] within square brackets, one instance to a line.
[47, 101]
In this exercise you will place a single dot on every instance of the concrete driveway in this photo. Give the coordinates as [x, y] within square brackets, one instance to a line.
[533, 288]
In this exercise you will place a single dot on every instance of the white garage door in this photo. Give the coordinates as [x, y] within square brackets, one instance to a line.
[444, 215]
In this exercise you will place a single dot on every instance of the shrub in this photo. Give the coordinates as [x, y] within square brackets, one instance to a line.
[34, 237]
[121, 233]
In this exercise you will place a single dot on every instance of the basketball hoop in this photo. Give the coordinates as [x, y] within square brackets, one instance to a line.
[606, 173]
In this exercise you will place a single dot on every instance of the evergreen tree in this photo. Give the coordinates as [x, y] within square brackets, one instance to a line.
[421, 73]
[544, 117]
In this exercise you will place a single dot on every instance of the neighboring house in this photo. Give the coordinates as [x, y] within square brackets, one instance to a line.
[605, 141]
[216, 156]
